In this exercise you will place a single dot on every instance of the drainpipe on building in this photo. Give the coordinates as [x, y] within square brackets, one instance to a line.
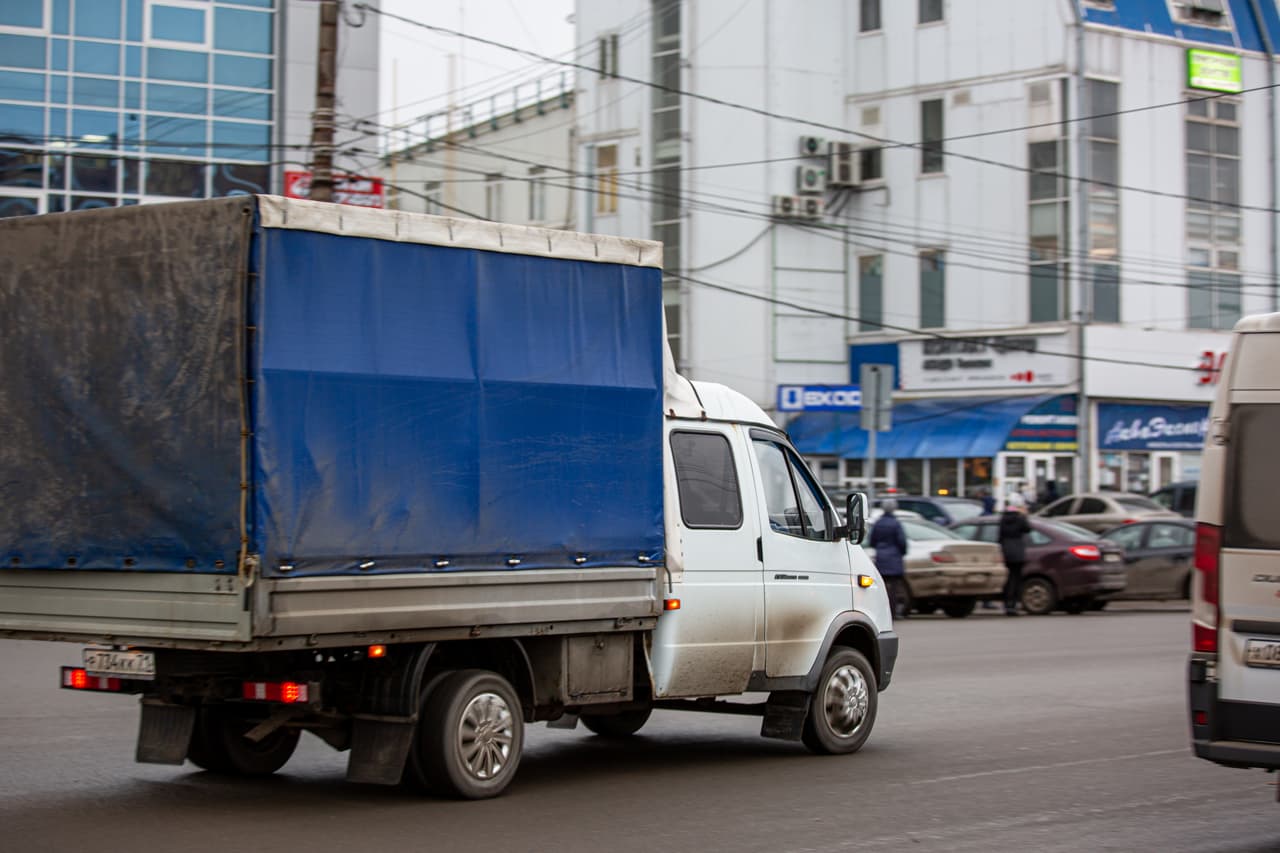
[1084, 452]
[1271, 150]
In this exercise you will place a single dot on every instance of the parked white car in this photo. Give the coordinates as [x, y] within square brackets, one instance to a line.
[945, 570]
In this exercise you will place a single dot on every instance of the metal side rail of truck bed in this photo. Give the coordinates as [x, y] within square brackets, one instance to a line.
[167, 610]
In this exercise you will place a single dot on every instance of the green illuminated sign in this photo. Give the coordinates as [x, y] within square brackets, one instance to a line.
[1208, 69]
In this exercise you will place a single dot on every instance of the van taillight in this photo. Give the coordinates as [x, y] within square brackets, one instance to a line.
[1204, 610]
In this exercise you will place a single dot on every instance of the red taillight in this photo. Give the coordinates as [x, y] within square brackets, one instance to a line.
[1130, 521]
[288, 692]
[942, 557]
[1086, 552]
[1204, 607]
[77, 678]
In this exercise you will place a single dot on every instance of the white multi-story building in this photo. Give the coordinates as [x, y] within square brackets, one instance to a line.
[507, 157]
[115, 102]
[1044, 214]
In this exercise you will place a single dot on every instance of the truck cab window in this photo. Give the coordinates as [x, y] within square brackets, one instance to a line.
[707, 480]
[792, 500]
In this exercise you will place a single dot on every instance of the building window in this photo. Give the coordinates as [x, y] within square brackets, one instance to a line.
[931, 135]
[606, 178]
[1103, 130]
[607, 47]
[869, 19]
[24, 14]
[178, 24]
[1202, 13]
[1047, 226]
[537, 195]
[1213, 214]
[871, 293]
[930, 11]
[933, 291]
[493, 197]
[870, 165]
[432, 193]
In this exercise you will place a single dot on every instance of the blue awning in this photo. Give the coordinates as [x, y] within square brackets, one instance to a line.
[922, 429]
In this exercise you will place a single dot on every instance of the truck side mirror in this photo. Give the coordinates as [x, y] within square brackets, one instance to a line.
[856, 517]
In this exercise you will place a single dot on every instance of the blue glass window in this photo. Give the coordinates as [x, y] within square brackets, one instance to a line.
[21, 168]
[18, 205]
[175, 178]
[21, 51]
[94, 128]
[130, 176]
[239, 179]
[181, 65]
[132, 131]
[95, 92]
[95, 58]
[19, 86]
[229, 136]
[176, 136]
[27, 122]
[232, 104]
[133, 20]
[58, 55]
[264, 4]
[99, 19]
[94, 174]
[133, 61]
[242, 71]
[58, 88]
[57, 204]
[177, 99]
[57, 123]
[62, 17]
[22, 13]
[133, 95]
[176, 23]
[91, 202]
[238, 29]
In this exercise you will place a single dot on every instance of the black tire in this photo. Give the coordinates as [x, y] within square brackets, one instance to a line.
[414, 776]
[959, 608]
[842, 710]
[1076, 606]
[1098, 604]
[1038, 596]
[620, 725]
[218, 743]
[1186, 588]
[470, 711]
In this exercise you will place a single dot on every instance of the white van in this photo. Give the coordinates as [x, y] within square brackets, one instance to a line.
[1234, 674]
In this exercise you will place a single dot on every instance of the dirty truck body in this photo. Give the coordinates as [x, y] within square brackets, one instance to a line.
[405, 482]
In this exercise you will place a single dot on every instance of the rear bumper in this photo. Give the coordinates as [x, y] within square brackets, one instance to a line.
[1234, 734]
[888, 645]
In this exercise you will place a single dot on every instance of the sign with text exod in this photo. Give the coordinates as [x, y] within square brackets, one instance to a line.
[973, 362]
[819, 398]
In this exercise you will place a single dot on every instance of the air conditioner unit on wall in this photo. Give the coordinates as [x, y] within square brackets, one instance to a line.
[787, 206]
[812, 207]
[842, 165]
[811, 180]
[813, 146]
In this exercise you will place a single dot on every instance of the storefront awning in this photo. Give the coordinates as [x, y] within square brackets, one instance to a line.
[945, 428]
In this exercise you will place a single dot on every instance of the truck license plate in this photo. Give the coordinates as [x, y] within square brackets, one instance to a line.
[1262, 653]
[139, 665]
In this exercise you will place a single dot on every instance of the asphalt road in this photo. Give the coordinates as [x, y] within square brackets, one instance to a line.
[1052, 733]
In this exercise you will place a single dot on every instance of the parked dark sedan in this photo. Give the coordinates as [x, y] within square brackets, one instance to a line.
[1067, 568]
[1157, 557]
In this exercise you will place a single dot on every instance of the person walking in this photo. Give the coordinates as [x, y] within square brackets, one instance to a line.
[890, 543]
[988, 502]
[1014, 528]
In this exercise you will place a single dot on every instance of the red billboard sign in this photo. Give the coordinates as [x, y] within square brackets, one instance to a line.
[355, 190]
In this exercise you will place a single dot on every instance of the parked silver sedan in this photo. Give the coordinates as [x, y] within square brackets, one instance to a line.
[1101, 511]
[1157, 557]
[947, 571]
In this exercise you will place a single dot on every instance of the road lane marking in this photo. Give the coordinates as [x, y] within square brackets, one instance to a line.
[1033, 767]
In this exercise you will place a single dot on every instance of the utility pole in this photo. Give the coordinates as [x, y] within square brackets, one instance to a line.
[322, 118]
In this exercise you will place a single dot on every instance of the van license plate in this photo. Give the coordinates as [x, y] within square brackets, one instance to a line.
[139, 665]
[1262, 653]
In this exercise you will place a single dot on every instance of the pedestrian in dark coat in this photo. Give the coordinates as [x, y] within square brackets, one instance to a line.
[890, 543]
[1014, 528]
[988, 502]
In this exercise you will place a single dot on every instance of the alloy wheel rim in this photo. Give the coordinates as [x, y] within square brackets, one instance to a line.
[846, 701]
[486, 730]
[1036, 598]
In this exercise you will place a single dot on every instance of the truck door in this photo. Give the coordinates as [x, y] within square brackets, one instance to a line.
[711, 645]
[806, 569]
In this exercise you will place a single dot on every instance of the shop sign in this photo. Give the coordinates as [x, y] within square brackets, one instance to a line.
[1129, 427]
[819, 398]
[982, 362]
[1049, 427]
[1209, 369]
[347, 189]
[1215, 71]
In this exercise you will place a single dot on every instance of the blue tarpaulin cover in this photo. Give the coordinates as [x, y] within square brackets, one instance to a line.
[419, 403]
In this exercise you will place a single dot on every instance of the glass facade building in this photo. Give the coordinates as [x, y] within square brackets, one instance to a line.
[111, 102]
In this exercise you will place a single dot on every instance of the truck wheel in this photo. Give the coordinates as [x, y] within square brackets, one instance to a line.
[959, 608]
[218, 743]
[843, 709]
[471, 735]
[1038, 596]
[620, 725]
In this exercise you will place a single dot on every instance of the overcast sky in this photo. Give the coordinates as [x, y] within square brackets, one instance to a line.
[416, 62]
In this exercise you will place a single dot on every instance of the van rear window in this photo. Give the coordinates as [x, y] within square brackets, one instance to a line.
[1253, 515]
